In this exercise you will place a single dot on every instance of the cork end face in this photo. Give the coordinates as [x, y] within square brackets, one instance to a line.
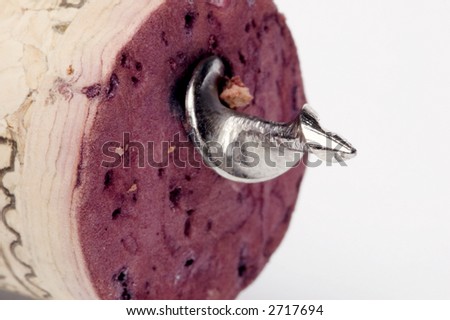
[153, 226]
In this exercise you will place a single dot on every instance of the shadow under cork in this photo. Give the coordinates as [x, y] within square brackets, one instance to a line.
[5, 295]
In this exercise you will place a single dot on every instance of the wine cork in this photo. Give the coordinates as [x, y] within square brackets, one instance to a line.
[76, 75]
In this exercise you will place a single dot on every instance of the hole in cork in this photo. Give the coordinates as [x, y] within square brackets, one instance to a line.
[138, 66]
[242, 269]
[172, 64]
[108, 179]
[178, 90]
[135, 80]
[189, 20]
[92, 91]
[187, 228]
[122, 276]
[242, 58]
[113, 85]
[209, 225]
[175, 196]
[164, 39]
[212, 42]
[126, 295]
[189, 262]
[124, 61]
[211, 19]
[116, 213]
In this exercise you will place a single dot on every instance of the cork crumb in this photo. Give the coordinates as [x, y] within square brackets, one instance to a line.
[69, 70]
[236, 94]
[61, 27]
[133, 188]
[92, 91]
[119, 151]
[171, 149]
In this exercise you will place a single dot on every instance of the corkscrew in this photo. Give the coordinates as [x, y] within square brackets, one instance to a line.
[247, 149]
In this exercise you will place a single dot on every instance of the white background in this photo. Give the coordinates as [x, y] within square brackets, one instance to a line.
[378, 72]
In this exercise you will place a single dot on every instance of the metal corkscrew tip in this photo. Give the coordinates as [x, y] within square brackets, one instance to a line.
[248, 149]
